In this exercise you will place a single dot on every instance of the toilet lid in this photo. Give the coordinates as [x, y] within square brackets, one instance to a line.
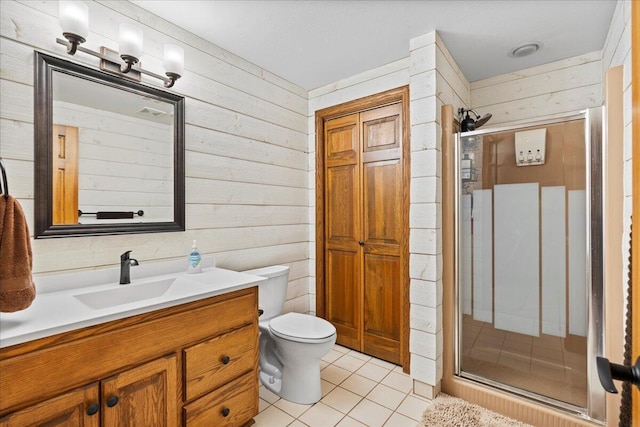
[301, 327]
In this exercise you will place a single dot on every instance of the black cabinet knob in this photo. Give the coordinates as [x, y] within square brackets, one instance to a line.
[225, 360]
[112, 401]
[93, 409]
[361, 243]
[225, 412]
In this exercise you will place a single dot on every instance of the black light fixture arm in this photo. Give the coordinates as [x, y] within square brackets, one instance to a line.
[461, 111]
[74, 41]
[129, 62]
[172, 79]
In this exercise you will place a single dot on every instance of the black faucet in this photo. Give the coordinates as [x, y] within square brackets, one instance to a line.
[125, 267]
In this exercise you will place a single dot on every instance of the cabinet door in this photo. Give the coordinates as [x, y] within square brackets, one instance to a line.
[142, 396]
[71, 409]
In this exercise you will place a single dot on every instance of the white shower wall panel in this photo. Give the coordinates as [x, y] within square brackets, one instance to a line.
[517, 248]
[554, 271]
[577, 263]
[482, 256]
[465, 253]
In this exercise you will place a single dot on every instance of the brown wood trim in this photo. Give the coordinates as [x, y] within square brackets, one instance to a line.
[388, 97]
[406, 156]
[614, 230]
[448, 247]
[635, 243]
[320, 223]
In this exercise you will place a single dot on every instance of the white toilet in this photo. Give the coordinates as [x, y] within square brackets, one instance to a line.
[291, 344]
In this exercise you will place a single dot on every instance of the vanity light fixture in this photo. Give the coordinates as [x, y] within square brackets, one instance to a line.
[74, 20]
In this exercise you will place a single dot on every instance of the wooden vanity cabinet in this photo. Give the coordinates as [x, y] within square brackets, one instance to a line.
[141, 396]
[191, 365]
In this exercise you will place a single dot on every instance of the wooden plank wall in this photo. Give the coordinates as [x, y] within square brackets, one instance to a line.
[247, 186]
[436, 80]
[616, 52]
[544, 91]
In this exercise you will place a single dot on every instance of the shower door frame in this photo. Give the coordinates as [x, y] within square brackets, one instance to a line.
[596, 399]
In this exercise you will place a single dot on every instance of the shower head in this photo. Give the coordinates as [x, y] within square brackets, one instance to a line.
[482, 120]
[468, 124]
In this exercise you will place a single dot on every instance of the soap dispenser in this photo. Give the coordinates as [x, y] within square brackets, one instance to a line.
[194, 260]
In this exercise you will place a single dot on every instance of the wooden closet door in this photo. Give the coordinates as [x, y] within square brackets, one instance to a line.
[65, 175]
[383, 219]
[364, 219]
[342, 229]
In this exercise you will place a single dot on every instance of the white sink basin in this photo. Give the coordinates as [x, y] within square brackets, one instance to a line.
[125, 294]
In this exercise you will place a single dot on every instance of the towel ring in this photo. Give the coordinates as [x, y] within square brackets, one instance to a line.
[5, 185]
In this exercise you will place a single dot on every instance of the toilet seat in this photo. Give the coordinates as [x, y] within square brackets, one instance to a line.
[302, 328]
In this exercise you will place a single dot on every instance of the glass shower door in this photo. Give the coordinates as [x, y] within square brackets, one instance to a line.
[524, 261]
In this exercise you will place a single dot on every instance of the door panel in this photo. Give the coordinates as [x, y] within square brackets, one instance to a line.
[382, 306]
[381, 128]
[341, 136]
[343, 295]
[342, 208]
[383, 203]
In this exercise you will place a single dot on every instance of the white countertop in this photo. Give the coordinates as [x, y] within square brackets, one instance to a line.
[60, 311]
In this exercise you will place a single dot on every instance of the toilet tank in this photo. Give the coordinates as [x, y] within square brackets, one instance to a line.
[273, 291]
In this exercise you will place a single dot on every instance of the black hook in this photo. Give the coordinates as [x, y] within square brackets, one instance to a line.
[5, 185]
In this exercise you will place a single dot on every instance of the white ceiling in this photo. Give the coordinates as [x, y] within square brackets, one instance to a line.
[316, 42]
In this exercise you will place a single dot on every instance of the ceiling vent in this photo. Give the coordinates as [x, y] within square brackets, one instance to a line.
[525, 49]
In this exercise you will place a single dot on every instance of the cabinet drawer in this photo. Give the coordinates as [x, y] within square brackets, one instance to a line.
[214, 362]
[233, 404]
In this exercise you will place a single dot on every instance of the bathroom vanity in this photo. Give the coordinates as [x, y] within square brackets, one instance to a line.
[190, 364]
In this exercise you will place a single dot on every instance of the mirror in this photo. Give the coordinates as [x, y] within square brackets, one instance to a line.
[109, 153]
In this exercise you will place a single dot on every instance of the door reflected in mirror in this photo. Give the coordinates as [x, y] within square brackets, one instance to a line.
[109, 153]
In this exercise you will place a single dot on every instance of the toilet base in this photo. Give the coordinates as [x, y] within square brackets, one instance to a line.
[305, 389]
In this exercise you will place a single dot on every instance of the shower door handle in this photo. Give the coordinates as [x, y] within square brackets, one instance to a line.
[607, 372]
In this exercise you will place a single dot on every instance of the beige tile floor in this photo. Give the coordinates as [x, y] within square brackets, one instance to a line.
[357, 390]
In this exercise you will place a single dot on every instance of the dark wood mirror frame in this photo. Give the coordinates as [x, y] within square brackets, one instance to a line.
[45, 65]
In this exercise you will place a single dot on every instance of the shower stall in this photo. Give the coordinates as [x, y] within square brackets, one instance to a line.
[528, 260]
